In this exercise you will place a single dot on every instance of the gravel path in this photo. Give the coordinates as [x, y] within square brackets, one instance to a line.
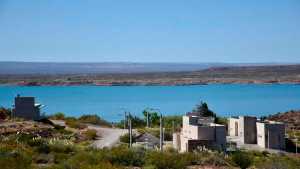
[108, 136]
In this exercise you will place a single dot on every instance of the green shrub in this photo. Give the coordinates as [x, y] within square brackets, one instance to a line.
[278, 161]
[242, 159]
[168, 122]
[125, 138]
[61, 146]
[166, 160]
[124, 156]
[58, 116]
[15, 160]
[94, 119]
[84, 159]
[90, 134]
[5, 113]
[74, 123]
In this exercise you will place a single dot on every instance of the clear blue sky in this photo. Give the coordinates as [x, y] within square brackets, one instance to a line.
[150, 30]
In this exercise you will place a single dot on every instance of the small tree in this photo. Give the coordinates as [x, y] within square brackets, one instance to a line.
[153, 117]
[203, 110]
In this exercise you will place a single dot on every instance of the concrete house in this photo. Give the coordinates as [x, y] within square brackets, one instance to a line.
[250, 131]
[25, 107]
[271, 135]
[199, 133]
[243, 127]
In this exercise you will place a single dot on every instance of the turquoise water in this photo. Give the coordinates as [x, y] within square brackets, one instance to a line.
[109, 102]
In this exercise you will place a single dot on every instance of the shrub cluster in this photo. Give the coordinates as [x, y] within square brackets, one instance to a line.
[93, 119]
[74, 123]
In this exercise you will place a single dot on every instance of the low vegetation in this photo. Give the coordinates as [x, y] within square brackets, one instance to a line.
[5, 113]
[27, 151]
[93, 119]
[79, 123]
[44, 146]
[90, 134]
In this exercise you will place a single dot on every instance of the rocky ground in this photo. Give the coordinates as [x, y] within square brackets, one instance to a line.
[290, 118]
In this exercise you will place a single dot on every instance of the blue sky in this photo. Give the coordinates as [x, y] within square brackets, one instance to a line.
[150, 31]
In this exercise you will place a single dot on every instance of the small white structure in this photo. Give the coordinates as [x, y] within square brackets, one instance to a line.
[199, 133]
[249, 131]
[271, 135]
[243, 127]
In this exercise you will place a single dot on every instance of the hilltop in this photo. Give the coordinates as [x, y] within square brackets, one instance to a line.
[290, 118]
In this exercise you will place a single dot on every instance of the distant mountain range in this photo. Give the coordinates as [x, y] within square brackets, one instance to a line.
[7, 68]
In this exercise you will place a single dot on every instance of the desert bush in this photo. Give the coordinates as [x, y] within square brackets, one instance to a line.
[15, 160]
[61, 146]
[14, 155]
[278, 162]
[90, 134]
[93, 119]
[84, 159]
[242, 159]
[5, 113]
[74, 123]
[124, 156]
[58, 116]
[125, 138]
[166, 160]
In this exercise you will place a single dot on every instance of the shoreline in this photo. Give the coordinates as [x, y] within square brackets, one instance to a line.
[145, 84]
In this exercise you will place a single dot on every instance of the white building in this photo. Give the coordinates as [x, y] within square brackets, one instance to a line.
[243, 127]
[199, 133]
[271, 135]
[250, 131]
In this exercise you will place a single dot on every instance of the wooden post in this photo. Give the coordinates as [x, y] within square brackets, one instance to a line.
[161, 134]
[130, 133]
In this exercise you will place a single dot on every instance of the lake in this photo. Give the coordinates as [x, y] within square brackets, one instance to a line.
[110, 101]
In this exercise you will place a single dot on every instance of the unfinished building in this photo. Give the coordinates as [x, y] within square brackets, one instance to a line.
[243, 127]
[271, 135]
[26, 108]
[199, 133]
[264, 134]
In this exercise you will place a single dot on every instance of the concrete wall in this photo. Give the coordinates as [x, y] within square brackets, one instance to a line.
[25, 108]
[261, 136]
[271, 135]
[206, 133]
[231, 126]
[244, 127]
[221, 136]
[248, 130]
[183, 143]
[176, 141]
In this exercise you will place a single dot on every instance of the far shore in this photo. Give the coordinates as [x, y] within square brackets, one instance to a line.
[42, 84]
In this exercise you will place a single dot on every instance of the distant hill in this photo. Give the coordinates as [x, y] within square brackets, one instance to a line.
[7, 68]
[98, 68]
[290, 118]
[126, 74]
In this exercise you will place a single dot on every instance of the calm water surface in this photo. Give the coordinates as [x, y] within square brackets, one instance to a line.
[108, 102]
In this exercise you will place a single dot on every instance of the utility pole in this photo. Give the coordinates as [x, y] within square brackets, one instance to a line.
[125, 119]
[173, 126]
[130, 133]
[161, 133]
[129, 129]
[296, 142]
[147, 118]
[268, 138]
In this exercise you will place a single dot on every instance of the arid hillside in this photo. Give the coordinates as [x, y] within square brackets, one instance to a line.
[232, 74]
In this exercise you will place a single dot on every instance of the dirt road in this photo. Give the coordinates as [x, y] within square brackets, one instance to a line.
[108, 136]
